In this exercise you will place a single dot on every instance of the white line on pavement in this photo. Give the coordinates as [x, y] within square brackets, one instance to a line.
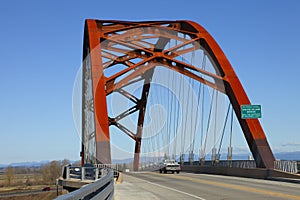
[172, 189]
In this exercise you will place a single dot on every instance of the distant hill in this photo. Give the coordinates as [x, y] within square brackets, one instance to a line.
[28, 164]
[281, 155]
[121, 161]
[25, 164]
[288, 155]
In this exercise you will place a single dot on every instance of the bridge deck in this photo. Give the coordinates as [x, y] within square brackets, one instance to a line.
[199, 186]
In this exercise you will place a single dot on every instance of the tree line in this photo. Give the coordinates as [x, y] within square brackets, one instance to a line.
[26, 176]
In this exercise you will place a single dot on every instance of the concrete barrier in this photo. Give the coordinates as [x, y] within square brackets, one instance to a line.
[259, 173]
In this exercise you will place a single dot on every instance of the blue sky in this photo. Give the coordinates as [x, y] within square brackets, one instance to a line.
[41, 51]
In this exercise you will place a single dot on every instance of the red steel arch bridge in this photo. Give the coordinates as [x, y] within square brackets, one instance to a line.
[164, 85]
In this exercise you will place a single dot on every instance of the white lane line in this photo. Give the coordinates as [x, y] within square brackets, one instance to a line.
[172, 189]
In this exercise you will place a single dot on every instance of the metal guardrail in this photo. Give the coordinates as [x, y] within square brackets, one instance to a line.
[100, 189]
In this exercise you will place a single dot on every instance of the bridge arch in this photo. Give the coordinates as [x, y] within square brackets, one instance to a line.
[119, 53]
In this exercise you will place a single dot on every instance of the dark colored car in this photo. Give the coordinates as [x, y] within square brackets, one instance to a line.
[46, 189]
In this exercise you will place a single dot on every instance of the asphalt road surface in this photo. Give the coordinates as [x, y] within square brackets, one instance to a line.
[150, 185]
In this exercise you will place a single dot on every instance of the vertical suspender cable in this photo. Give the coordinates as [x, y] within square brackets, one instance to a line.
[176, 116]
[187, 112]
[197, 115]
[161, 119]
[187, 99]
[215, 125]
[170, 111]
[231, 122]
[153, 124]
[169, 114]
[229, 156]
[202, 108]
[224, 127]
[165, 95]
[158, 118]
[208, 121]
[202, 119]
[197, 106]
[182, 113]
[192, 114]
[182, 107]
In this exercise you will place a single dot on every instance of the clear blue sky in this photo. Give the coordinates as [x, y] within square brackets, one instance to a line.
[41, 50]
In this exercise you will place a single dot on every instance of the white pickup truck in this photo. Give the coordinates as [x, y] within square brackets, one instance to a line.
[170, 166]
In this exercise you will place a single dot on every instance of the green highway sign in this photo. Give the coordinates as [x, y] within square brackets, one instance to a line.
[251, 111]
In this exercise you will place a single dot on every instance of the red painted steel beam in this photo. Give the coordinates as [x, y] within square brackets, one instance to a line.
[102, 137]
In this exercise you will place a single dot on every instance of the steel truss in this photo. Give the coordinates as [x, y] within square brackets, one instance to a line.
[113, 43]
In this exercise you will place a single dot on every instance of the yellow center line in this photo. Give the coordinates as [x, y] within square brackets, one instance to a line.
[236, 187]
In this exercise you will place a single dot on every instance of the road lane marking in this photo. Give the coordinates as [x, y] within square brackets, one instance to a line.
[238, 187]
[169, 188]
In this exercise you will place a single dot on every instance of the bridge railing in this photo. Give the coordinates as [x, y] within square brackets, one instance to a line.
[286, 166]
[100, 189]
[83, 173]
[282, 165]
[226, 163]
[114, 167]
[249, 164]
[89, 173]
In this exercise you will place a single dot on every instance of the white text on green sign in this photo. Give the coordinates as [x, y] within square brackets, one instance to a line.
[251, 111]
